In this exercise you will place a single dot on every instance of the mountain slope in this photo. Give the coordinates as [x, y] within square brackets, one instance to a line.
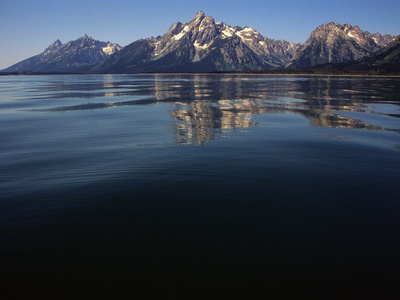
[388, 56]
[337, 43]
[201, 45]
[68, 57]
[383, 62]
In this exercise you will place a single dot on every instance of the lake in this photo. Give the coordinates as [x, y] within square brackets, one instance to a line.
[207, 177]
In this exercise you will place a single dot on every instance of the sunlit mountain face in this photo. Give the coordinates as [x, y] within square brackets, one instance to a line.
[204, 45]
[337, 43]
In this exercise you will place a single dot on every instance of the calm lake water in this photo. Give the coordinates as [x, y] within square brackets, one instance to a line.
[195, 176]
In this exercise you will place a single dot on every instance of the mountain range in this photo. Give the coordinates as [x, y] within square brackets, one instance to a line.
[203, 45]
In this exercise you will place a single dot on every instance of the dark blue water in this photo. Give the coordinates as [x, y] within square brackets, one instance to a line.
[200, 177]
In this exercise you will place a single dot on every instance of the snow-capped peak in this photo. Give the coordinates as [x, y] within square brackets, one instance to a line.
[226, 30]
[248, 33]
[201, 32]
[202, 35]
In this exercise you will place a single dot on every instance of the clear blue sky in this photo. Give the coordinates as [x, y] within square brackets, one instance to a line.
[27, 27]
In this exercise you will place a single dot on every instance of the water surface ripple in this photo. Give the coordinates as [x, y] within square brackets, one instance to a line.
[207, 176]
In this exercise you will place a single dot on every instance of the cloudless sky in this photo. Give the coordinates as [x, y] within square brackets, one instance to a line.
[27, 27]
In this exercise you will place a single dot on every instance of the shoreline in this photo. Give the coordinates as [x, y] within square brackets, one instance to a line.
[316, 74]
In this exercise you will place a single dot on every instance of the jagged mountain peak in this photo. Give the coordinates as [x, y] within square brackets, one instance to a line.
[85, 39]
[199, 15]
[199, 20]
[202, 31]
[199, 33]
[201, 45]
[385, 39]
[336, 30]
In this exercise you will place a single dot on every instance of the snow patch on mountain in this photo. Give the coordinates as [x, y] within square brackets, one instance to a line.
[198, 46]
[110, 48]
[349, 34]
[182, 33]
[228, 32]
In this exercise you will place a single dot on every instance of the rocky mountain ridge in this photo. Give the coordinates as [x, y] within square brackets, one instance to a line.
[337, 43]
[389, 56]
[385, 61]
[68, 57]
[202, 45]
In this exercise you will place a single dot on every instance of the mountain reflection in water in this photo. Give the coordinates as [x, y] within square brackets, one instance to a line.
[206, 106]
